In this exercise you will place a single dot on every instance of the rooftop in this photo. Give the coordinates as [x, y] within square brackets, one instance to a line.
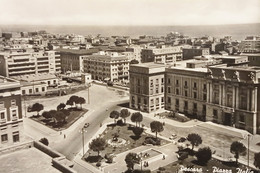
[148, 65]
[35, 78]
[27, 160]
[78, 52]
[105, 57]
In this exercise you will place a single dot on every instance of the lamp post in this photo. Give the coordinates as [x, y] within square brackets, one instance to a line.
[82, 131]
[141, 159]
[248, 138]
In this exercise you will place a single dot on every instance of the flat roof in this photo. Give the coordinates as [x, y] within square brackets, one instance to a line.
[34, 77]
[149, 65]
[106, 57]
[78, 52]
[27, 160]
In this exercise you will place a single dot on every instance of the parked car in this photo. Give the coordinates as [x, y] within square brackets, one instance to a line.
[86, 125]
[173, 136]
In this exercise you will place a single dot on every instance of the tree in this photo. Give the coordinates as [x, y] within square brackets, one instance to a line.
[59, 117]
[115, 115]
[156, 126]
[204, 155]
[131, 159]
[61, 106]
[66, 112]
[237, 148]
[124, 113]
[134, 61]
[37, 107]
[98, 144]
[257, 160]
[80, 101]
[44, 141]
[138, 131]
[74, 99]
[69, 102]
[195, 140]
[137, 117]
[46, 115]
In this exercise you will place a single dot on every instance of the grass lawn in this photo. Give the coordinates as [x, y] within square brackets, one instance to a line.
[74, 116]
[191, 161]
[126, 134]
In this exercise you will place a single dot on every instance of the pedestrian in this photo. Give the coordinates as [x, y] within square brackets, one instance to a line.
[60, 132]
[64, 136]
[100, 124]
[163, 157]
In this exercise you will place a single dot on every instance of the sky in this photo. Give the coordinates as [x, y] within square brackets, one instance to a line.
[129, 12]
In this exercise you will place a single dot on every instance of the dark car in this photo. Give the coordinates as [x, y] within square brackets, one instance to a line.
[86, 125]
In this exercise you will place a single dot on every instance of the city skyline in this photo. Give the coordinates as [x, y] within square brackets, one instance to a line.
[129, 12]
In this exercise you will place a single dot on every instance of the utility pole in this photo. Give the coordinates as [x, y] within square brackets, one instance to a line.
[248, 136]
[82, 131]
[88, 93]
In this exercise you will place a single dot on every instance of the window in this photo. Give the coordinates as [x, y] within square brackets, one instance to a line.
[162, 89]
[14, 113]
[195, 85]
[23, 92]
[156, 90]
[162, 99]
[162, 80]
[157, 101]
[241, 118]
[169, 80]
[204, 97]
[186, 93]
[145, 101]
[195, 106]
[177, 82]
[2, 105]
[30, 91]
[2, 115]
[157, 80]
[195, 95]
[169, 90]
[138, 82]
[37, 90]
[54, 81]
[229, 100]
[204, 86]
[13, 102]
[177, 102]
[152, 101]
[151, 82]
[43, 89]
[169, 100]
[4, 138]
[16, 137]
[185, 83]
[215, 113]
[185, 105]
[49, 82]
[177, 91]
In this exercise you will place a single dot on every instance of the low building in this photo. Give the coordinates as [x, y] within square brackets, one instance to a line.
[106, 66]
[250, 45]
[147, 87]
[11, 122]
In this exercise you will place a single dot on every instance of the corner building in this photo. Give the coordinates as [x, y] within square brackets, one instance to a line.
[11, 123]
[147, 87]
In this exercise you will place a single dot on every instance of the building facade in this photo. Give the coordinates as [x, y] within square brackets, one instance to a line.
[109, 67]
[191, 52]
[161, 55]
[19, 63]
[11, 123]
[250, 45]
[147, 87]
[70, 59]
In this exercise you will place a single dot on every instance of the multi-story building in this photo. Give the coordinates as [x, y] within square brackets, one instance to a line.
[161, 55]
[147, 87]
[222, 89]
[11, 123]
[189, 53]
[250, 45]
[136, 50]
[106, 66]
[23, 63]
[70, 59]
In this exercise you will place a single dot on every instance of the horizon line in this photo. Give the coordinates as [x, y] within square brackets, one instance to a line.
[122, 24]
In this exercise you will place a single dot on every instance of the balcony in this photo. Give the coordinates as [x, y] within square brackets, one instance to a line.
[2, 121]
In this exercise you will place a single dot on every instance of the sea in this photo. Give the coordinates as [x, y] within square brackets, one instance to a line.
[237, 31]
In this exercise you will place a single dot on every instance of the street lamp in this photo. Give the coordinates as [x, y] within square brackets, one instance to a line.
[141, 159]
[82, 131]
